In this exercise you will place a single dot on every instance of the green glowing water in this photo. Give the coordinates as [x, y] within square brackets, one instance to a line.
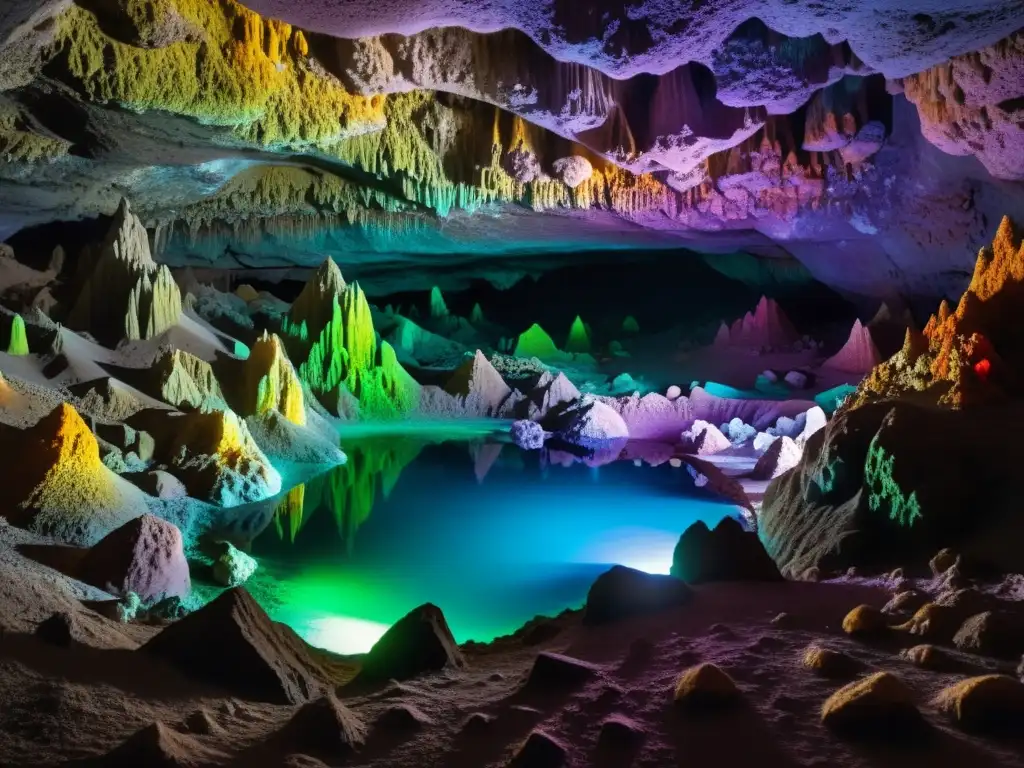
[492, 534]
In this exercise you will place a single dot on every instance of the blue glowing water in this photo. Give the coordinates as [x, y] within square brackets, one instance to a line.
[492, 534]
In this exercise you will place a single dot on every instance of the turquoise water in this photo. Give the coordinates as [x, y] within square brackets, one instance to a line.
[492, 534]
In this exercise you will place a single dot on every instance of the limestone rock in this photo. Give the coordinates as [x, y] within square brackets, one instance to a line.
[587, 420]
[726, 553]
[705, 686]
[704, 439]
[418, 643]
[144, 556]
[864, 621]
[232, 643]
[829, 663]
[782, 455]
[986, 703]
[233, 567]
[479, 385]
[61, 486]
[127, 295]
[324, 726]
[573, 170]
[876, 707]
[557, 672]
[858, 355]
[623, 592]
[528, 435]
[540, 750]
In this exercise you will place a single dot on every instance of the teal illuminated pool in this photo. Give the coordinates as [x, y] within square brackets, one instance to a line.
[492, 534]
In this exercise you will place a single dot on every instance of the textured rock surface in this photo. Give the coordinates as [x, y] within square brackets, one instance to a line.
[808, 130]
[144, 556]
[417, 643]
[624, 592]
[231, 642]
[725, 553]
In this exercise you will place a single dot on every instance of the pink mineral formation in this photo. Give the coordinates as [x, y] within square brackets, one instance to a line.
[767, 326]
[858, 355]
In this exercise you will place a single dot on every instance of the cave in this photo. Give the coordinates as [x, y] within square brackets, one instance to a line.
[534, 383]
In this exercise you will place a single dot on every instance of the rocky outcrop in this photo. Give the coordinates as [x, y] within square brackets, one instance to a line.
[61, 486]
[212, 453]
[265, 381]
[144, 556]
[232, 643]
[185, 381]
[858, 355]
[782, 455]
[973, 354]
[479, 386]
[725, 553]
[621, 593]
[418, 643]
[126, 295]
[766, 327]
[535, 342]
[585, 420]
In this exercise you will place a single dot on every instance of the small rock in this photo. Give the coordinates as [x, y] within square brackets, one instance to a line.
[829, 663]
[991, 633]
[233, 567]
[57, 630]
[528, 435]
[986, 703]
[419, 642]
[619, 733]
[905, 602]
[201, 722]
[943, 561]
[705, 685]
[929, 657]
[879, 706]
[326, 726]
[169, 609]
[933, 621]
[553, 671]
[864, 620]
[540, 751]
[673, 392]
[852, 572]
[621, 593]
[796, 379]
[811, 574]
[785, 621]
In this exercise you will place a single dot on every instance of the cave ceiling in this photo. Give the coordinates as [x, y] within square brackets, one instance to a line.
[876, 145]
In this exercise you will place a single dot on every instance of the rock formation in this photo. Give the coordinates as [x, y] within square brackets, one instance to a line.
[973, 354]
[767, 326]
[578, 340]
[62, 487]
[18, 344]
[125, 295]
[858, 355]
[265, 381]
[232, 643]
[535, 342]
[212, 453]
[330, 332]
[479, 386]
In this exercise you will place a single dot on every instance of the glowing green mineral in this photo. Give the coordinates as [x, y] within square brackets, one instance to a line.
[19, 341]
[476, 317]
[437, 306]
[535, 342]
[579, 338]
[630, 325]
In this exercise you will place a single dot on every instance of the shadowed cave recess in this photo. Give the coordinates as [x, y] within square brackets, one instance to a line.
[536, 383]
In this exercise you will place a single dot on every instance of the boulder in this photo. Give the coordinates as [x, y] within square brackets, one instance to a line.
[160, 745]
[623, 592]
[726, 553]
[528, 435]
[782, 455]
[879, 706]
[586, 420]
[233, 567]
[144, 556]
[231, 642]
[930, 657]
[705, 686]
[418, 643]
[864, 621]
[540, 750]
[829, 663]
[325, 727]
[986, 703]
[556, 672]
[992, 633]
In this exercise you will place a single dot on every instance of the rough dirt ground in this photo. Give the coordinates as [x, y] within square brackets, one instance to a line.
[62, 704]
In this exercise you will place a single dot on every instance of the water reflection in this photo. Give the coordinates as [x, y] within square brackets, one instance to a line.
[491, 533]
